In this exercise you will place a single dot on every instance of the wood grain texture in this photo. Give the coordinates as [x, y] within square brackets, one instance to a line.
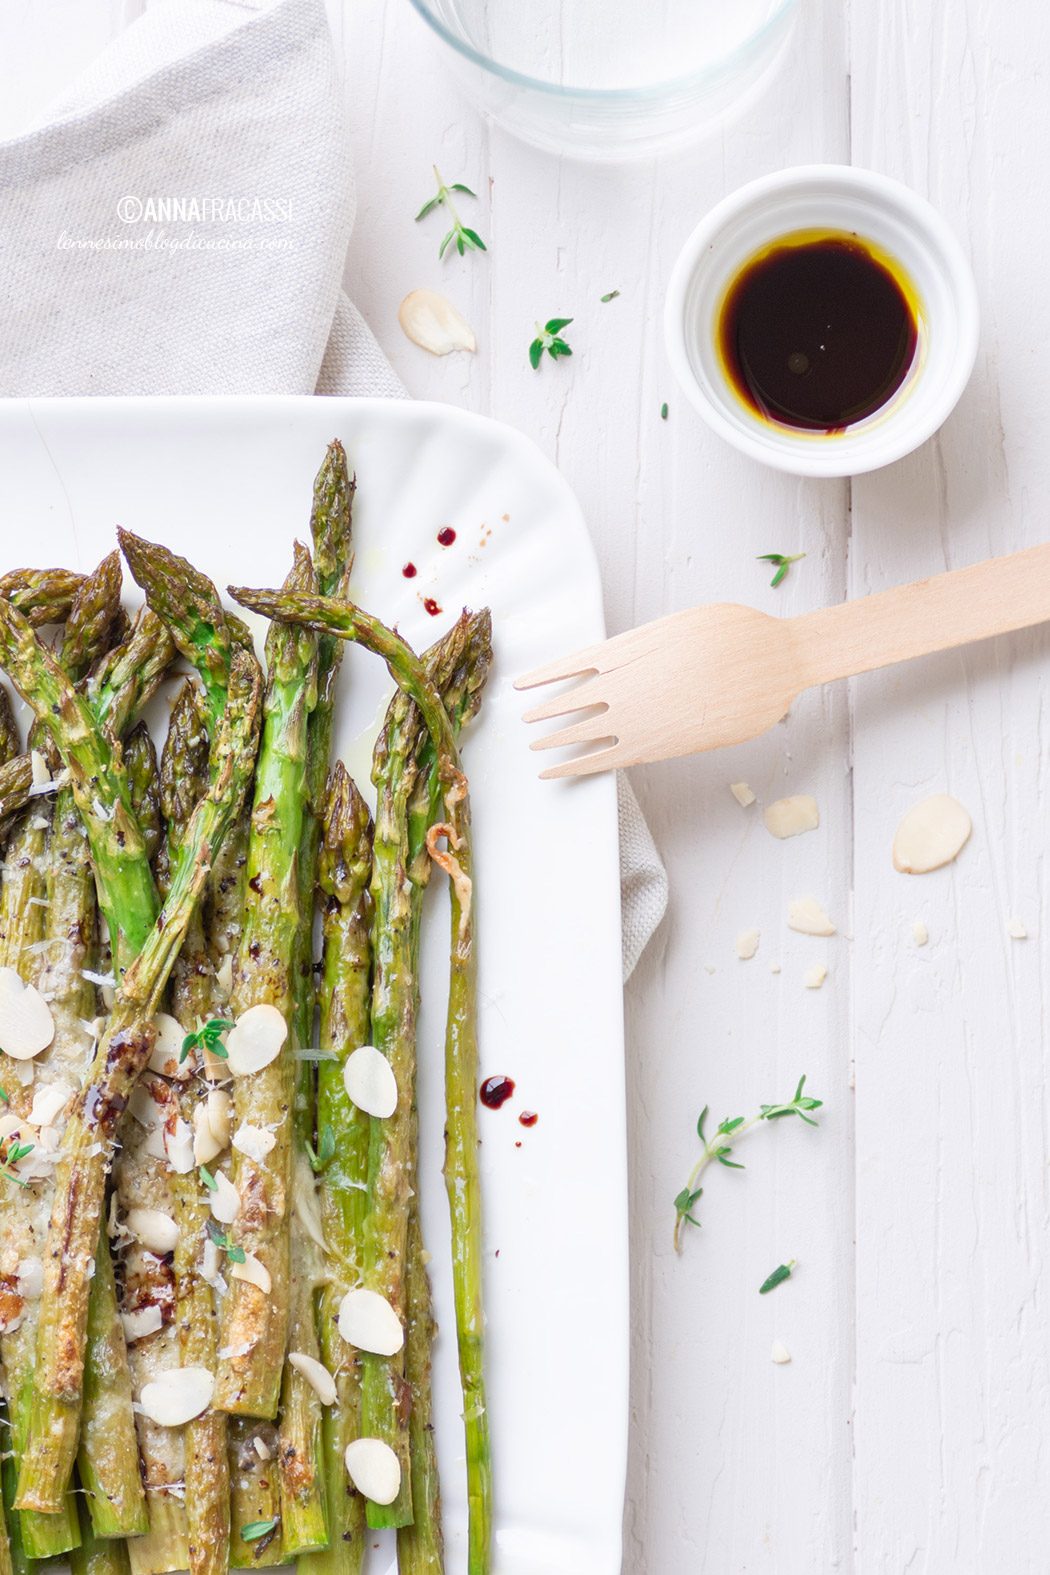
[909, 1431]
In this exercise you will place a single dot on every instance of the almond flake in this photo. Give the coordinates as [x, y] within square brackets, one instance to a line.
[30, 1277]
[254, 1272]
[307, 1211]
[141, 1322]
[930, 835]
[807, 917]
[224, 976]
[747, 944]
[316, 1375]
[789, 817]
[225, 1200]
[374, 1469]
[220, 1107]
[255, 1040]
[205, 1145]
[41, 774]
[369, 1080]
[48, 1103]
[919, 933]
[1016, 930]
[434, 324]
[26, 1023]
[254, 1142]
[177, 1396]
[814, 977]
[262, 1448]
[148, 1112]
[368, 1322]
[167, 1047]
[156, 1230]
[179, 1147]
[780, 1353]
[742, 793]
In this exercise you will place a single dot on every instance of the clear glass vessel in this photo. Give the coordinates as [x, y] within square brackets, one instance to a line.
[611, 78]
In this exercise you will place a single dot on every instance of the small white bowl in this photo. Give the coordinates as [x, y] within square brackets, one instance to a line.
[877, 209]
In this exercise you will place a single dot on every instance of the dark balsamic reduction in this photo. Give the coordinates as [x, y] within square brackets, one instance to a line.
[817, 332]
[446, 535]
[495, 1091]
[410, 571]
[432, 607]
[528, 1118]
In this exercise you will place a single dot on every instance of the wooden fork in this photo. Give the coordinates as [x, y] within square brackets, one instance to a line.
[721, 674]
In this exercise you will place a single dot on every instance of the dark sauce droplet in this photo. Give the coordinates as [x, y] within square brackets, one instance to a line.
[410, 571]
[432, 607]
[817, 332]
[528, 1118]
[446, 536]
[495, 1091]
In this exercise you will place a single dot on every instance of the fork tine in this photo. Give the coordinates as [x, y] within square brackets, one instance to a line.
[586, 765]
[571, 666]
[585, 694]
[589, 731]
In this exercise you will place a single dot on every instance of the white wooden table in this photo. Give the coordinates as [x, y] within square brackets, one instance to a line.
[911, 1430]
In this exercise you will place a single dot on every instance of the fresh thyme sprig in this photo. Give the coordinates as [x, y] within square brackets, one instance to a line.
[783, 563]
[221, 1239]
[9, 1157]
[610, 297]
[549, 339]
[322, 1156]
[255, 1530]
[781, 1273]
[716, 1149]
[465, 239]
[207, 1037]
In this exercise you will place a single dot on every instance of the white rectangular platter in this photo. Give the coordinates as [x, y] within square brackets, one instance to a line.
[227, 483]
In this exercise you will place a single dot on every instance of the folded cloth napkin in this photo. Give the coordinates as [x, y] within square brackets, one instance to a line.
[237, 104]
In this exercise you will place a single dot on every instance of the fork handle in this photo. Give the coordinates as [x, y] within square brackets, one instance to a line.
[930, 615]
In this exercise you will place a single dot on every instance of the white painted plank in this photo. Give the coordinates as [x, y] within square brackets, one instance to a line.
[952, 1379]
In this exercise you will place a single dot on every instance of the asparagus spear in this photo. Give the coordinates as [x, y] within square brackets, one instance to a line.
[13, 1560]
[129, 675]
[124, 1050]
[304, 1521]
[420, 1546]
[342, 1129]
[98, 1555]
[184, 780]
[382, 1392]
[254, 1324]
[256, 1497]
[42, 595]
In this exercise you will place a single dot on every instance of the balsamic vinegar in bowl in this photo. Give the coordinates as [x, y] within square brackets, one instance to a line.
[818, 330]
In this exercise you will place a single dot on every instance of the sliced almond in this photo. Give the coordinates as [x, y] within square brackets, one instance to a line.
[177, 1396]
[210, 1262]
[30, 1278]
[307, 1210]
[156, 1230]
[789, 817]
[206, 1146]
[41, 774]
[931, 835]
[225, 1201]
[1016, 930]
[370, 1082]
[374, 1469]
[224, 976]
[254, 1272]
[148, 1112]
[220, 1110]
[807, 917]
[316, 1375]
[262, 1448]
[48, 1103]
[434, 324]
[26, 1023]
[742, 793]
[255, 1040]
[814, 977]
[919, 933]
[368, 1322]
[747, 944]
[780, 1353]
[254, 1142]
[10, 1124]
[142, 1322]
[167, 1047]
[179, 1147]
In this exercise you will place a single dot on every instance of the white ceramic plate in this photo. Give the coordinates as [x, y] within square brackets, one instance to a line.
[227, 482]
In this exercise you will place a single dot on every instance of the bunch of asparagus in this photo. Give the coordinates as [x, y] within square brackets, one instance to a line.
[215, 1313]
